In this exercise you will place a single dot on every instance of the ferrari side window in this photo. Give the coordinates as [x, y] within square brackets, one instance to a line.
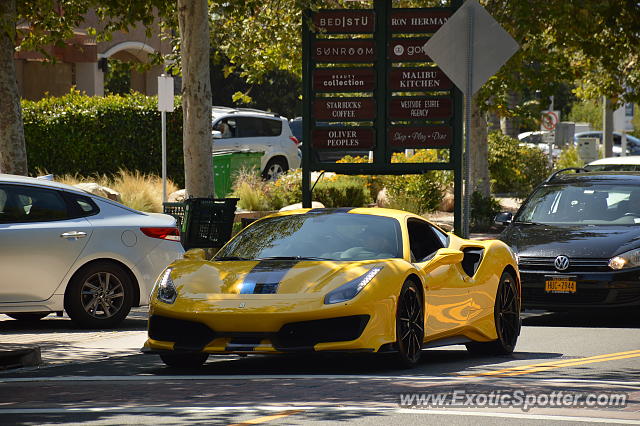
[422, 240]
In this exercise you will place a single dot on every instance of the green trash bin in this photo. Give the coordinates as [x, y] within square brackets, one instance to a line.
[227, 164]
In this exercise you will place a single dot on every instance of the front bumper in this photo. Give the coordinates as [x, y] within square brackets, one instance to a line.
[263, 326]
[613, 289]
[192, 336]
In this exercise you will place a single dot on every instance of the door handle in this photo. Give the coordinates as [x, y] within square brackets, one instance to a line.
[73, 235]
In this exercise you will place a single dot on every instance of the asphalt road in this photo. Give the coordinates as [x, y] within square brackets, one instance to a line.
[567, 365]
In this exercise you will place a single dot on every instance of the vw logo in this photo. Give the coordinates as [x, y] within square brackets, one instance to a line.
[561, 263]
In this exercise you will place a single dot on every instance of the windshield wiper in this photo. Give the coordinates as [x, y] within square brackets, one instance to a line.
[292, 258]
[526, 222]
[231, 258]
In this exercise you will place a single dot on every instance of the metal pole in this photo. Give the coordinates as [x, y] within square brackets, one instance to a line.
[163, 114]
[306, 113]
[467, 131]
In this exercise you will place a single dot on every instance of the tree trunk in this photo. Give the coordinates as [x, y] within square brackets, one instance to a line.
[607, 127]
[511, 125]
[196, 97]
[479, 150]
[13, 152]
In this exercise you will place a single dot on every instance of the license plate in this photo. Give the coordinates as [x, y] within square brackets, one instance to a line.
[560, 286]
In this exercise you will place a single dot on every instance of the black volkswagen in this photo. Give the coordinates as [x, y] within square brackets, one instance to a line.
[577, 239]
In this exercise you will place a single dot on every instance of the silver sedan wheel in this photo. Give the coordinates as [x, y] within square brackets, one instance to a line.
[102, 295]
[275, 171]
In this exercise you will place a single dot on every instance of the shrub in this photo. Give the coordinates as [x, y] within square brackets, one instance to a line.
[332, 191]
[86, 135]
[137, 190]
[342, 191]
[569, 158]
[417, 193]
[251, 191]
[483, 211]
[513, 168]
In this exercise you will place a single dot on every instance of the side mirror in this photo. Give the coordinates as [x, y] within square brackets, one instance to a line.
[217, 134]
[447, 256]
[503, 218]
[194, 254]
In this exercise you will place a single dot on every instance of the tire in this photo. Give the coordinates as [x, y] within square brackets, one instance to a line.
[100, 295]
[188, 360]
[409, 325]
[28, 316]
[275, 167]
[506, 314]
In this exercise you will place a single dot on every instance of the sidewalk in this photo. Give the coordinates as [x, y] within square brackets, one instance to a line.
[55, 341]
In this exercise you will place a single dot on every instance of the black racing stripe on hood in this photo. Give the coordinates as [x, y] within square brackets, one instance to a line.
[265, 277]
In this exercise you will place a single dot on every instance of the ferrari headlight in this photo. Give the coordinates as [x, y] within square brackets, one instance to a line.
[630, 259]
[351, 289]
[167, 292]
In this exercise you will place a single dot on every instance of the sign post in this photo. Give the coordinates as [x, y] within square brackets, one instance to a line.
[469, 48]
[165, 104]
[377, 92]
[548, 123]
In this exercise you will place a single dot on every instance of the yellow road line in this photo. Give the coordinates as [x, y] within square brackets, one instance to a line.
[268, 418]
[533, 368]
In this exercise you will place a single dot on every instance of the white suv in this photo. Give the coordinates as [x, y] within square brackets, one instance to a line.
[243, 128]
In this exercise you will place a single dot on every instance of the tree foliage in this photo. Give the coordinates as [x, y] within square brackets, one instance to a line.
[593, 44]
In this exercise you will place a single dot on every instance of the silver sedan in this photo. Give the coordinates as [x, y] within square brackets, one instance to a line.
[63, 249]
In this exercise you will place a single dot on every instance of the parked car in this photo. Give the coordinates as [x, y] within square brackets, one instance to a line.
[63, 249]
[629, 163]
[255, 130]
[633, 143]
[577, 238]
[296, 128]
[536, 140]
[314, 280]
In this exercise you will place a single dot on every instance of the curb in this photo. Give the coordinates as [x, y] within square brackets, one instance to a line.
[16, 356]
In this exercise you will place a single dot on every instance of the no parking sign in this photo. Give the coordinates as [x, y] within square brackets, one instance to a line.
[549, 120]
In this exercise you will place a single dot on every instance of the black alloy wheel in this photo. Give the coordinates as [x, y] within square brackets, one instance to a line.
[409, 325]
[506, 313]
[186, 360]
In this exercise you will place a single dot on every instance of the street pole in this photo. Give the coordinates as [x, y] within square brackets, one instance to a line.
[165, 104]
[163, 115]
[467, 131]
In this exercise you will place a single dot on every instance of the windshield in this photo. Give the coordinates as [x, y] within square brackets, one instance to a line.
[326, 236]
[583, 203]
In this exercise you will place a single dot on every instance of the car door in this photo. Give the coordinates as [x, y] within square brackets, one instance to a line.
[260, 134]
[40, 240]
[447, 295]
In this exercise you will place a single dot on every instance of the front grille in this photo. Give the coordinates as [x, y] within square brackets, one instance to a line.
[546, 264]
[301, 335]
[187, 335]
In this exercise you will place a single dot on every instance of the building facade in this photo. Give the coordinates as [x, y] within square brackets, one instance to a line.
[83, 62]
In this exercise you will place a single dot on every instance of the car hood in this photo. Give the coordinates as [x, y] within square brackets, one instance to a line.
[206, 279]
[586, 241]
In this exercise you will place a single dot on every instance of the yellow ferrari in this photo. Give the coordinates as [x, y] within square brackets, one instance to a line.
[351, 279]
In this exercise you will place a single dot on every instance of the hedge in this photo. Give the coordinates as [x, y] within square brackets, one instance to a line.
[100, 135]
